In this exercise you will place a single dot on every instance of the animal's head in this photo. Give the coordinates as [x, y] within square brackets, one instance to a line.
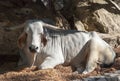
[108, 58]
[33, 36]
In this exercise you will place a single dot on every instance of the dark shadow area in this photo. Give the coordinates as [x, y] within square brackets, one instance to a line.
[108, 7]
[8, 63]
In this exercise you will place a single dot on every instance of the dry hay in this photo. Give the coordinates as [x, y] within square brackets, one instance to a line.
[59, 73]
[8, 72]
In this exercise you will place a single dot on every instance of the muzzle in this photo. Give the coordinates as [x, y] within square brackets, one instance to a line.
[33, 48]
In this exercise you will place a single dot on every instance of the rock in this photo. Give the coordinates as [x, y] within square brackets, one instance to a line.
[117, 72]
[6, 3]
[58, 4]
[101, 79]
[23, 11]
[113, 40]
[106, 77]
[79, 25]
[98, 1]
[117, 50]
[107, 22]
[98, 15]
[118, 77]
[8, 42]
[88, 79]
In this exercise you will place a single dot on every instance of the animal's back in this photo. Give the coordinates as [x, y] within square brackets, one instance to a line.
[71, 41]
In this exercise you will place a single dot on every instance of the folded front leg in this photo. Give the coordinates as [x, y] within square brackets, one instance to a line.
[50, 62]
[93, 56]
[90, 67]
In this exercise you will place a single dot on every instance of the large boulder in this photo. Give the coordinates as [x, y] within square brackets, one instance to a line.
[98, 15]
[8, 42]
[111, 39]
[107, 22]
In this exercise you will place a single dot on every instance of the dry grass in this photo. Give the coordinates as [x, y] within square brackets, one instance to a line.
[59, 73]
[8, 72]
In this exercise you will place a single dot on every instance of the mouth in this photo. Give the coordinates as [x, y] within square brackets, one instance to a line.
[33, 51]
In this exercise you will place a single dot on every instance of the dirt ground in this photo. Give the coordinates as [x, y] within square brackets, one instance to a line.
[10, 72]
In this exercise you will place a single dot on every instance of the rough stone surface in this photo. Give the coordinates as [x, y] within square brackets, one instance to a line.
[8, 42]
[101, 78]
[107, 22]
[105, 77]
[79, 25]
[111, 39]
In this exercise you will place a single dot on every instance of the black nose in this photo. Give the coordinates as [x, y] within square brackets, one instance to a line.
[33, 48]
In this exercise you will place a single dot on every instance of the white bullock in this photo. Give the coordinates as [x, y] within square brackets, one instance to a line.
[45, 46]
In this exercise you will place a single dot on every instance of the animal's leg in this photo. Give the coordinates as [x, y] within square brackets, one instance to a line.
[91, 63]
[92, 56]
[79, 62]
[50, 62]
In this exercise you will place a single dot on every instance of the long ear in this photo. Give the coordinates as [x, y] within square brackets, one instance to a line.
[21, 40]
[43, 39]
